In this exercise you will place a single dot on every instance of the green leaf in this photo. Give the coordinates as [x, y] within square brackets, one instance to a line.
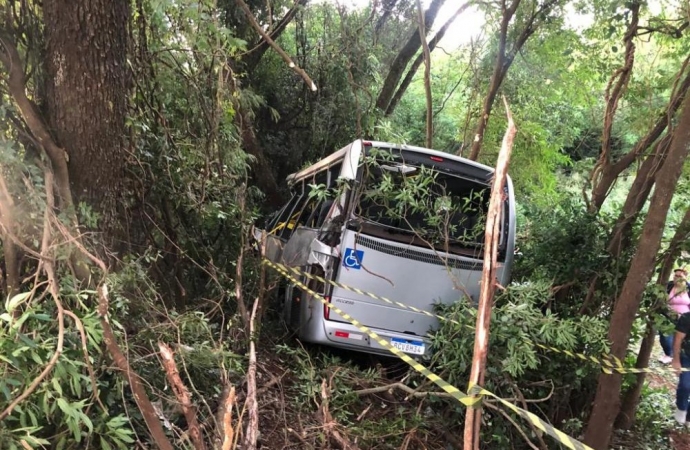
[105, 445]
[57, 387]
[17, 300]
[65, 407]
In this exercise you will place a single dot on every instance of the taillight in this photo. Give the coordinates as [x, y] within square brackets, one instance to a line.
[436, 158]
[342, 334]
[366, 143]
[326, 309]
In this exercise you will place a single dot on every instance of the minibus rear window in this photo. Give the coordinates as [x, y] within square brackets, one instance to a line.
[439, 208]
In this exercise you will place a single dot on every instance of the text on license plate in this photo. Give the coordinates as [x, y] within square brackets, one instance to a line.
[414, 347]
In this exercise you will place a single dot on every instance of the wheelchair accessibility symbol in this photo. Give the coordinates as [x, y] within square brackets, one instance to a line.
[353, 258]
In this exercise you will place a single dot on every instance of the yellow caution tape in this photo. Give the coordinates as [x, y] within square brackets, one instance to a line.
[535, 420]
[660, 370]
[467, 400]
[454, 392]
[605, 361]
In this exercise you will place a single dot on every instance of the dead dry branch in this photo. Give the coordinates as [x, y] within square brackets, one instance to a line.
[182, 395]
[252, 433]
[140, 396]
[330, 425]
[488, 280]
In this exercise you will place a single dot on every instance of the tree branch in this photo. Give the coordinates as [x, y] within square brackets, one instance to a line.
[260, 47]
[420, 59]
[276, 47]
[9, 57]
[182, 395]
[615, 88]
[140, 396]
[252, 406]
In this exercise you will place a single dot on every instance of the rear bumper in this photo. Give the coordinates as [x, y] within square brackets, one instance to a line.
[349, 337]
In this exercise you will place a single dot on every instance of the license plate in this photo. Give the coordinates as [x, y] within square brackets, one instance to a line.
[413, 347]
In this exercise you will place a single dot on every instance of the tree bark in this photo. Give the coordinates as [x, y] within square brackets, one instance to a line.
[404, 56]
[86, 96]
[488, 283]
[626, 417]
[607, 401]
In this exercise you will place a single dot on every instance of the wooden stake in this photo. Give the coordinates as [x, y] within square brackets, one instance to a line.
[488, 283]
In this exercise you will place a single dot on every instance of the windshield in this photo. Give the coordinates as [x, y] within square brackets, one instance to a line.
[418, 201]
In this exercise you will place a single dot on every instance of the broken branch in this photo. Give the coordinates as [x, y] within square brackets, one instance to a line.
[182, 395]
[276, 47]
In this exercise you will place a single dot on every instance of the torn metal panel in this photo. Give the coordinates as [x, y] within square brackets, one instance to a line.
[304, 248]
[320, 254]
[296, 251]
[273, 248]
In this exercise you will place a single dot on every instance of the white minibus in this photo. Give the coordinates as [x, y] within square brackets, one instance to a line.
[402, 222]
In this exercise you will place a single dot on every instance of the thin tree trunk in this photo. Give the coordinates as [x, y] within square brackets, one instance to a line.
[404, 56]
[606, 172]
[420, 59]
[7, 234]
[634, 202]
[637, 197]
[488, 283]
[602, 177]
[427, 78]
[607, 401]
[387, 8]
[252, 406]
[504, 59]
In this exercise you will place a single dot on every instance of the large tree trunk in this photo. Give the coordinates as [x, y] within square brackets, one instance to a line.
[607, 401]
[403, 58]
[626, 417]
[86, 89]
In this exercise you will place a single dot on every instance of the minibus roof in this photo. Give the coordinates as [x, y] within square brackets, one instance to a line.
[336, 157]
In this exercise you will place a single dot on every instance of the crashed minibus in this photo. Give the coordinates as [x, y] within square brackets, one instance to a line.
[402, 222]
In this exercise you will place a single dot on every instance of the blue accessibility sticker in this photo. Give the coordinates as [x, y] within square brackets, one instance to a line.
[353, 258]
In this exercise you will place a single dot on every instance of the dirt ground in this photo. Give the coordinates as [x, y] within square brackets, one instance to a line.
[305, 428]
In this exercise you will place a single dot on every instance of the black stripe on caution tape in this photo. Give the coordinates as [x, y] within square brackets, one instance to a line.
[467, 400]
[605, 361]
[625, 370]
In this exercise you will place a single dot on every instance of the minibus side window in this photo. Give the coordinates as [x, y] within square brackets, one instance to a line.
[313, 208]
[288, 219]
[279, 222]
